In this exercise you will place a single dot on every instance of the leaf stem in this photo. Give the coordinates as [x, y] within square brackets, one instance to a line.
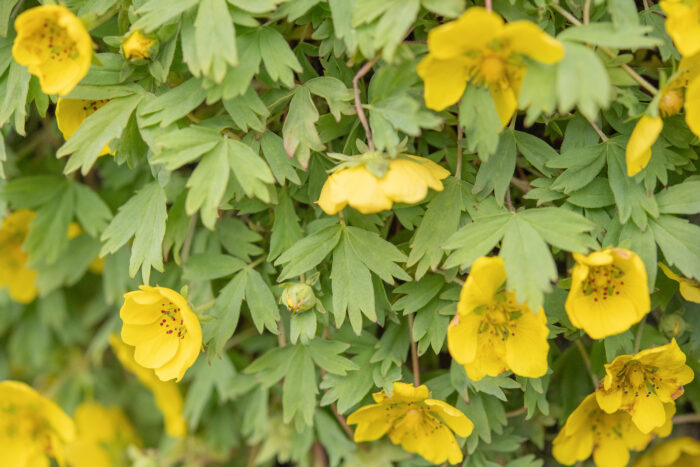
[516, 412]
[587, 12]
[205, 306]
[414, 353]
[460, 134]
[342, 421]
[188, 240]
[586, 361]
[640, 332]
[686, 418]
[597, 129]
[358, 104]
[488, 4]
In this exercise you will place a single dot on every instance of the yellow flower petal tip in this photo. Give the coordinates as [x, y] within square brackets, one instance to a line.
[689, 288]
[32, 427]
[419, 424]
[165, 332]
[492, 332]
[638, 150]
[53, 43]
[137, 46]
[103, 435]
[166, 393]
[70, 114]
[481, 49]
[14, 273]
[641, 384]
[608, 437]
[682, 24]
[609, 292]
[678, 452]
[406, 181]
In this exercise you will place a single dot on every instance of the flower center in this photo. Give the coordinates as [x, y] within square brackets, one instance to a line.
[638, 379]
[671, 102]
[603, 282]
[54, 38]
[492, 69]
[171, 320]
[499, 315]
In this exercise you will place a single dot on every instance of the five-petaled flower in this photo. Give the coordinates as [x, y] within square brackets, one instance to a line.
[414, 421]
[682, 91]
[689, 288]
[406, 181]
[70, 114]
[53, 43]
[166, 333]
[609, 437]
[678, 452]
[479, 48]
[683, 24]
[32, 428]
[137, 45]
[102, 437]
[14, 273]
[609, 292]
[491, 331]
[166, 393]
[641, 384]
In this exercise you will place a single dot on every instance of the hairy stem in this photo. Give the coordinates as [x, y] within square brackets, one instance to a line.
[358, 104]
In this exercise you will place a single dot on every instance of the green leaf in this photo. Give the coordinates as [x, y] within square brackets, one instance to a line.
[582, 164]
[215, 39]
[157, 12]
[33, 191]
[173, 104]
[393, 25]
[15, 87]
[535, 150]
[207, 266]
[418, 294]
[285, 229]
[250, 170]
[299, 389]
[478, 116]
[683, 198]
[536, 91]
[333, 439]
[326, 354]
[392, 348]
[227, 311]
[353, 293]
[430, 328]
[247, 110]
[261, 303]
[179, 147]
[5, 11]
[238, 239]
[280, 62]
[48, 234]
[96, 131]
[446, 8]
[299, 133]
[596, 194]
[283, 167]
[440, 221]
[630, 197]
[217, 373]
[272, 365]
[350, 389]
[308, 252]
[142, 217]
[207, 185]
[582, 81]
[529, 263]
[561, 228]
[334, 92]
[377, 254]
[476, 239]
[495, 173]
[678, 240]
[627, 36]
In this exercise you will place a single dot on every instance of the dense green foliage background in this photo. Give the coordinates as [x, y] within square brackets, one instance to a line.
[202, 192]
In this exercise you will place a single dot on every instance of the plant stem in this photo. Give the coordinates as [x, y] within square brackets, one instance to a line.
[687, 418]
[640, 332]
[206, 306]
[342, 421]
[358, 104]
[414, 353]
[458, 169]
[587, 12]
[597, 129]
[488, 5]
[516, 412]
[586, 361]
[188, 240]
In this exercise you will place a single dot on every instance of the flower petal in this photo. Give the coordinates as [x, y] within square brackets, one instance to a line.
[526, 38]
[638, 151]
[445, 80]
[462, 336]
[471, 31]
[527, 346]
[453, 418]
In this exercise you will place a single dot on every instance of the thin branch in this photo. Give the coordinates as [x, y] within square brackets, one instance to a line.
[188, 240]
[488, 5]
[516, 412]
[686, 418]
[414, 354]
[586, 361]
[342, 421]
[597, 129]
[572, 19]
[640, 332]
[509, 202]
[458, 169]
[358, 104]
[522, 185]
[281, 337]
[587, 12]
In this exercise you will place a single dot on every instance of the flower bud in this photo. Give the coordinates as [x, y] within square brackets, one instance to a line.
[138, 46]
[298, 296]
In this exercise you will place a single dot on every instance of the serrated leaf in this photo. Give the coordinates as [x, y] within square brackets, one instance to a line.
[582, 81]
[249, 169]
[173, 104]
[261, 303]
[478, 116]
[215, 39]
[308, 252]
[156, 12]
[628, 36]
[299, 389]
[227, 311]
[377, 254]
[678, 240]
[495, 173]
[683, 198]
[90, 210]
[476, 239]
[207, 266]
[299, 131]
[207, 185]
[326, 354]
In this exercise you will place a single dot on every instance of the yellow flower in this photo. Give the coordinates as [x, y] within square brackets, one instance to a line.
[406, 181]
[682, 91]
[683, 24]
[491, 332]
[609, 292]
[137, 45]
[418, 424]
[70, 114]
[689, 288]
[678, 452]
[479, 48]
[166, 333]
[32, 428]
[167, 395]
[641, 384]
[54, 44]
[609, 437]
[103, 434]
[14, 272]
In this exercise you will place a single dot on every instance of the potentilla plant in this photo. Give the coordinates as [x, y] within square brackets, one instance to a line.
[349, 233]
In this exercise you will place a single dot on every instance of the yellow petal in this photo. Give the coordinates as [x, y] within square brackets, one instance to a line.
[682, 25]
[445, 80]
[157, 351]
[486, 277]
[648, 413]
[405, 181]
[599, 319]
[613, 452]
[21, 285]
[690, 291]
[526, 346]
[638, 151]
[137, 45]
[453, 418]
[373, 422]
[609, 401]
[183, 359]
[355, 186]
[470, 32]
[135, 334]
[526, 38]
[462, 337]
[489, 359]
[692, 106]
[506, 102]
